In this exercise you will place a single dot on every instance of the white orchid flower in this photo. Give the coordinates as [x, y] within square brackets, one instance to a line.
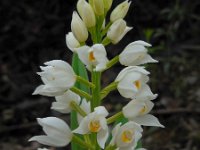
[95, 122]
[78, 28]
[117, 31]
[71, 41]
[135, 54]
[137, 110]
[58, 132]
[86, 12]
[63, 102]
[132, 81]
[120, 11]
[58, 76]
[125, 137]
[94, 57]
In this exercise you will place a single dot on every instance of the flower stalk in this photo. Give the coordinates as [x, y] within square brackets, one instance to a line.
[111, 87]
[79, 141]
[81, 93]
[84, 81]
[114, 117]
[78, 109]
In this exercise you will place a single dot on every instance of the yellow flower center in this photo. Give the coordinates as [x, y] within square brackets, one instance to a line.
[94, 126]
[127, 136]
[143, 109]
[138, 84]
[91, 56]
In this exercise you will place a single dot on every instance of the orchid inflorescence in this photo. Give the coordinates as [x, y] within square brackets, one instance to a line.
[60, 79]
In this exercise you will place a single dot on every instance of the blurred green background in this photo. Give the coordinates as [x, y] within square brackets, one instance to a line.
[32, 32]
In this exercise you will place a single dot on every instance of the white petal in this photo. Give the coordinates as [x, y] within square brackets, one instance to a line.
[114, 134]
[102, 137]
[42, 90]
[60, 107]
[83, 127]
[127, 29]
[148, 120]
[50, 141]
[101, 110]
[146, 94]
[71, 41]
[83, 54]
[139, 42]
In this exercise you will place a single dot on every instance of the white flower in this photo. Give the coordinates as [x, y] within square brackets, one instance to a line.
[132, 81]
[95, 122]
[63, 102]
[94, 57]
[137, 110]
[71, 41]
[58, 132]
[117, 31]
[125, 137]
[98, 6]
[78, 28]
[58, 76]
[120, 11]
[87, 14]
[85, 105]
[135, 54]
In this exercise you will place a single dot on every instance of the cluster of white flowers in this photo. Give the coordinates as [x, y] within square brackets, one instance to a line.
[59, 81]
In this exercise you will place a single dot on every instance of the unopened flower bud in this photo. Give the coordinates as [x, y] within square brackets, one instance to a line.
[98, 6]
[71, 41]
[78, 28]
[86, 12]
[117, 31]
[107, 4]
[120, 11]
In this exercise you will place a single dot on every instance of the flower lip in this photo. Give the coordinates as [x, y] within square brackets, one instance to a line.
[127, 136]
[94, 126]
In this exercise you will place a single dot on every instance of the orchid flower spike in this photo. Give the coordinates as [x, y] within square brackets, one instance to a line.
[94, 57]
[95, 122]
[58, 132]
[53, 75]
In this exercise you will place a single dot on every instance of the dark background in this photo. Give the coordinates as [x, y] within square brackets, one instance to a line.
[32, 32]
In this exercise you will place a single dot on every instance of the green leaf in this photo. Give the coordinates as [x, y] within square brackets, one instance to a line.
[80, 70]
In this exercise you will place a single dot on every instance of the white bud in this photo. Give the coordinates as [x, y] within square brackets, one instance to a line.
[117, 31]
[78, 28]
[86, 12]
[98, 6]
[71, 41]
[107, 4]
[120, 11]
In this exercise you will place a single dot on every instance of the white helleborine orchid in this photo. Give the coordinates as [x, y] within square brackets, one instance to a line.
[135, 54]
[125, 137]
[132, 81]
[71, 41]
[58, 76]
[87, 14]
[94, 57]
[137, 110]
[120, 11]
[117, 31]
[95, 122]
[58, 132]
[63, 102]
[78, 28]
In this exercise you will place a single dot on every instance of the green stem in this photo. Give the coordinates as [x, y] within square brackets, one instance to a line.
[77, 108]
[79, 141]
[81, 93]
[96, 97]
[114, 117]
[84, 81]
[111, 87]
[110, 147]
[112, 62]
[106, 41]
